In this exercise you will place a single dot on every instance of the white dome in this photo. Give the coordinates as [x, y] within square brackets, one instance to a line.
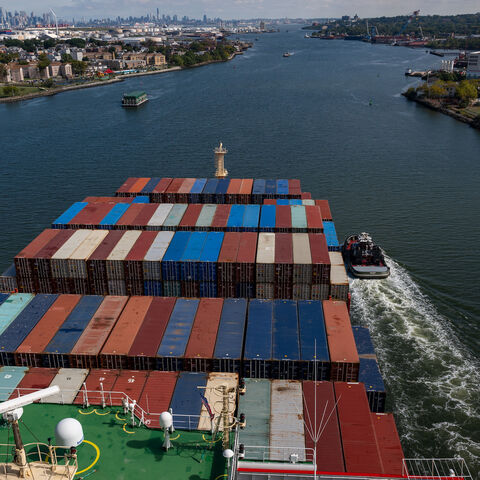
[166, 420]
[69, 433]
[228, 453]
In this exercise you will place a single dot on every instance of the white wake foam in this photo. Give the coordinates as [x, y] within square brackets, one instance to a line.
[432, 380]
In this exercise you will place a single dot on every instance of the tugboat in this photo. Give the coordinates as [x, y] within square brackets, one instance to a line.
[287, 54]
[364, 259]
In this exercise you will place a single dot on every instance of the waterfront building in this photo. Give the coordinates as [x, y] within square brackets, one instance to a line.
[473, 67]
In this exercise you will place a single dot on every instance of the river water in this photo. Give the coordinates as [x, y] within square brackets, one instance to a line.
[331, 115]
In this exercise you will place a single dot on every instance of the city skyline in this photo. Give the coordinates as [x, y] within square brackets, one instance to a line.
[239, 9]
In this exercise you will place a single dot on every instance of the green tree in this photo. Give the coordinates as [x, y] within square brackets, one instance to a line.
[10, 91]
[48, 83]
[177, 60]
[76, 42]
[78, 67]
[43, 61]
[437, 90]
[67, 58]
[411, 93]
[49, 43]
[8, 57]
[466, 91]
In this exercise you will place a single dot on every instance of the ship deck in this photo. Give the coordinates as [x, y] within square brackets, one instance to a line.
[114, 449]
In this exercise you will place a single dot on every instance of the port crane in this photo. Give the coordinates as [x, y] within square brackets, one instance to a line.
[410, 18]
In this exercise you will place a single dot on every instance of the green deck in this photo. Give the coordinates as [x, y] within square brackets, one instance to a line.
[124, 455]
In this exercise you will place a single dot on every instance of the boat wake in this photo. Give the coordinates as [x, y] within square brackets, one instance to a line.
[432, 380]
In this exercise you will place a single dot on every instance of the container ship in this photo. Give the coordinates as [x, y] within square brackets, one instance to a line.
[193, 328]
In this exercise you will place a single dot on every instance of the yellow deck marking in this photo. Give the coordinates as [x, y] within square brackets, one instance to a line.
[96, 458]
[176, 438]
[210, 441]
[126, 431]
[221, 476]
[101, 414]
[86, 413]
[118, 418]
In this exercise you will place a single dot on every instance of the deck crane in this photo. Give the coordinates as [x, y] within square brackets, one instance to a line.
[410, 18]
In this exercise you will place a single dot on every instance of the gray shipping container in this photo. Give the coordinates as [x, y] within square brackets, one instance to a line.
[302, 258]
[266, 258]
[152, 266]
[59, 261]
[286, 421]
[115, 261]
[339, 283]
[159, 217]
[70, 381]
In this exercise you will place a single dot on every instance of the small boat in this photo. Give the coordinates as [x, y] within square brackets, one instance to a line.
[134, 99]
[287, 54]
[307, 35]
[363, 258]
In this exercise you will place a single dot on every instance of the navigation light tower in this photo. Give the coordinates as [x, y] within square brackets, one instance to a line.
[220, 171]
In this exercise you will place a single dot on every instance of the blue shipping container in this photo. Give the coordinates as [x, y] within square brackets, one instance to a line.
[141, 199]
[285, 330]
[191, 256]
[259, 186]
[11, 307]
[363, 340]
[221, 190]
[372, 378]
[148, 188]
[270, 188]
[23, 324]
[208, 193]
[229, 344]
[195, 192]
[251, 218]
[171, 270]
[330, 235]
[207, 269]
[70, 213]
[208, 289]
[235, 219]
[3, 297]
[267, 218]
[153, 288]
[114, 215]
[282, 187]
[177, 332]
[186, 400]
[71, 329]
[313, 339]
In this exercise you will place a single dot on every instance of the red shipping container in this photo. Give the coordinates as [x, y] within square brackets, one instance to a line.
[244, 196]
[320, 258]
[94, 392]
[29, 352]
[158, 193]
[306, 196]
[133, 262]
[34, 379]
[171, 192]
[122, 191]
[391, 452]
[294, 188]
[84, 353]
[190, 217]
[157, 393]
[270, 201]
[325, 208]
[129, 382]
[107, 199]
[126, 220]
[233, 190]
[138, 186]
[226, 262]
[341, 342]
[283, 259]
[201, 344]
[90, 216]
[314, 219]
[115, 351]
[358, 436]
[144, 216]
[247, 252]
[184, 190]
[23, 260]
[283, 220]
[144, 348]
[220, 219]
[329, 445]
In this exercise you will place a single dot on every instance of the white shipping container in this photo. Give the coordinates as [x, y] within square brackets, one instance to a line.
[78, 259]
[308, 201]
[302, 291]
[70, 381]
[115, 260]
[152, 266]
[302, 259]
[287, 435]
[266, 257]
[161, 213]
[58, 262]
[336, 258]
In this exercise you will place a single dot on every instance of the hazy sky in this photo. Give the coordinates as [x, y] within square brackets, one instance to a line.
[243, 8]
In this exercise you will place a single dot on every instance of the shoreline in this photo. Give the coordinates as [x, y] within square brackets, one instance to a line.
[445, 110]
[100, 83]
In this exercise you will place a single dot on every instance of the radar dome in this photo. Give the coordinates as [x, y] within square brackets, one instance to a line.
[69, 433]
[228, 453]
[166, 420]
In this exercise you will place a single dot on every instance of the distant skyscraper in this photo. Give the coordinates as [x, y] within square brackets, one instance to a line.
[158, 14]
[175, 18]
[204, 19]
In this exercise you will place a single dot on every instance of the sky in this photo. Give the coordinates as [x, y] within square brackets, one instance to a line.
[228, 9]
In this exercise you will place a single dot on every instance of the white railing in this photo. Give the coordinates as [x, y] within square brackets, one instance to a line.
[279, 454]
[435, 469]
[134, 413]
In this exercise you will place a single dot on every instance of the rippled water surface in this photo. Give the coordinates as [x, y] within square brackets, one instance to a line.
[331, 115]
